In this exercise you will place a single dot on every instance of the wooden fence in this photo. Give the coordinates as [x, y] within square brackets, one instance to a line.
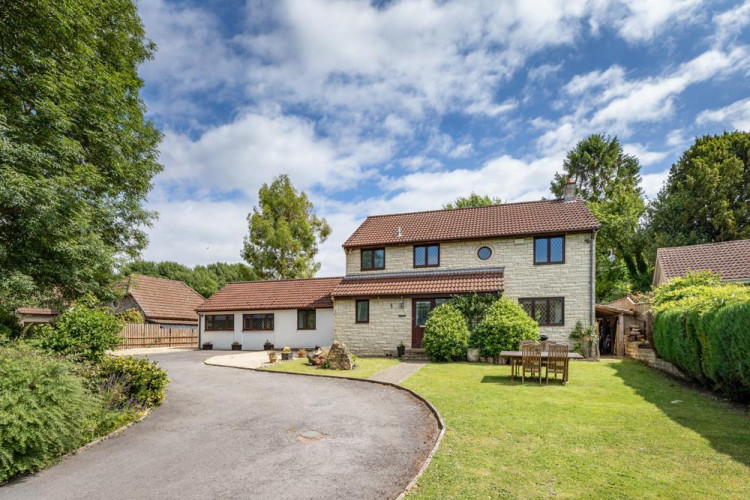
[135, 335]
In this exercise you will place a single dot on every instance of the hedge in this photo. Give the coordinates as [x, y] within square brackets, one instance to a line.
[704, 331]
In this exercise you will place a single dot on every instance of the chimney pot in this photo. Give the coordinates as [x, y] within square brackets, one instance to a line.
[569, 190]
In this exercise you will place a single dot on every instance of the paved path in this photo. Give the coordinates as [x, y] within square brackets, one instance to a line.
[229, 433]
[248, 359]
[398, 373]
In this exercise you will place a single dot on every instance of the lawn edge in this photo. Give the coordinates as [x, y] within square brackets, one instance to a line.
[430, 406]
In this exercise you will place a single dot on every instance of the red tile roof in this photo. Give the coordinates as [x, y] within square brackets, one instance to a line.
[420, 283]
[505, 220]
[731, 259]
[278, 294]
[163, 299]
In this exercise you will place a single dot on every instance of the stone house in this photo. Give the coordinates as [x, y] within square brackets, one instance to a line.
[169, 303]
[399, 267]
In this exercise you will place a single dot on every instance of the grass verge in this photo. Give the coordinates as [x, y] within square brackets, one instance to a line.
[618, 430]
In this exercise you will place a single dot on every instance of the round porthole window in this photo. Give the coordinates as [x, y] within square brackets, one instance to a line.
[484, 253]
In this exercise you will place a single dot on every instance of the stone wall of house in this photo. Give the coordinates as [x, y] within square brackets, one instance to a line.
[571, 280]
[125, 303]
[648, 356]
[390, 324]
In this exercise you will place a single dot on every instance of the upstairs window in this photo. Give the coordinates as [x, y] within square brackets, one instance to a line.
[549, 250]
[545, 311]
[219, 322]
[257, 321]
[426, 255]
[372, 258]
[306, 319]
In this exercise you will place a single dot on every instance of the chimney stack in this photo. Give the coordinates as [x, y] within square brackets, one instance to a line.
[569, 190]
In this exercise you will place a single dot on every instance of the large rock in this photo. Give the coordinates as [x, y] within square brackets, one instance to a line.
[317, 356]
[339, 357]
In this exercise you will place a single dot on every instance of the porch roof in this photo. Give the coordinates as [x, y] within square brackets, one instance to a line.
[421, 283]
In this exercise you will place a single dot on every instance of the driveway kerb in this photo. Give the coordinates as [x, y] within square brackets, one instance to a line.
[433, 410]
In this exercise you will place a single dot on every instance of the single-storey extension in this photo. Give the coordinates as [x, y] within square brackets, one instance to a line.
[296, 313]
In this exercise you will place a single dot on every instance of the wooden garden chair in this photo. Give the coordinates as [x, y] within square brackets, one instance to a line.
[557, 360]
[515, 365]
[531, 361]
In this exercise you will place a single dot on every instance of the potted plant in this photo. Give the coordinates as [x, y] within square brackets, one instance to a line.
[400, 349]
[301, 353]
[267, 346]
[236, 346]
[207, 346]
[271, 356]
[286, 354]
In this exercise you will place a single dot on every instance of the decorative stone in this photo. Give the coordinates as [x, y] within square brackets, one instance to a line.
[317, 356]
[339, 357]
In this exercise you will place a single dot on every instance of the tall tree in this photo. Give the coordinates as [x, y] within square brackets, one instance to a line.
[473, 200]
[76, 154]
[707, 195]
[608, 180]
[284, 233]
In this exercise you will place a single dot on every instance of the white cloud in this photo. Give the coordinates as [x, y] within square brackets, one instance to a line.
[643, 154]
[243, 154]
[652, 183]
[736, 115]
[646, 17]
[730, 23]
[198, 231]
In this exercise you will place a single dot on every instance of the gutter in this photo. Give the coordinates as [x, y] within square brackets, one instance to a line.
[592, 278]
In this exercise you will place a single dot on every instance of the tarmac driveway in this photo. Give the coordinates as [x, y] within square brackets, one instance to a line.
[229, 433]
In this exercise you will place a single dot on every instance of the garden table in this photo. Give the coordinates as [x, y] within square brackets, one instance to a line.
[515, 357]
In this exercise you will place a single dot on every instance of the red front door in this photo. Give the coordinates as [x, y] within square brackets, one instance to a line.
[420, 309]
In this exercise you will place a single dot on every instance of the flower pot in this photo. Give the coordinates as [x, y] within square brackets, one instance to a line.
[287, 356]
[401, 350]
[472, 355]
[268, 347]
[208, 346]
[236, 347]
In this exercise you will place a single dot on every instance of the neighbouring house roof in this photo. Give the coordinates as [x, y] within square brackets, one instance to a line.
[276, 294]
[163, 299]
[730, 259]
[37, 311]
[504, 220]
[422, 283]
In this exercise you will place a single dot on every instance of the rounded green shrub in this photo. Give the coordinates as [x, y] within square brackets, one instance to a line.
[132, 316]
[145, 383]
[84, 332]
[505, 324]
[45, 411]
[446, 335]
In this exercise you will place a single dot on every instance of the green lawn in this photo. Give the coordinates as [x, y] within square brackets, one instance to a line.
[619, 430]
[366, 367]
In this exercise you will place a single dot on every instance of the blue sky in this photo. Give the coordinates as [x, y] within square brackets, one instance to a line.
[389, 106]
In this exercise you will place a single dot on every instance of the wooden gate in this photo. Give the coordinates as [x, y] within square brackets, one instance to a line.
[137, 335]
